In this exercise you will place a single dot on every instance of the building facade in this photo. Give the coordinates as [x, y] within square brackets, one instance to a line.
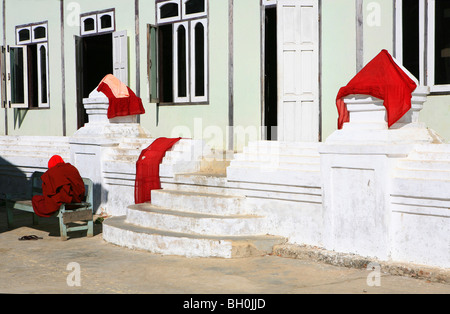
[226, 71]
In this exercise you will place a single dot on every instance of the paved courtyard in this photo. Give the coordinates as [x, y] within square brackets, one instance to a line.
[84, 265]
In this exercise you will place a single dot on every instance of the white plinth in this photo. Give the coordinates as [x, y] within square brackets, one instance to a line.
[357, 163]
[89, 144]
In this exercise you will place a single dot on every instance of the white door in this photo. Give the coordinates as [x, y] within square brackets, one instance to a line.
[120, 56]
[298, 70]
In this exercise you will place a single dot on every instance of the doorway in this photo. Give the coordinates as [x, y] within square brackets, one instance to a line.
[270, 74]
[94, 60]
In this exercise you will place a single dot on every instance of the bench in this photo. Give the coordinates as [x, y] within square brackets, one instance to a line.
[67, 213]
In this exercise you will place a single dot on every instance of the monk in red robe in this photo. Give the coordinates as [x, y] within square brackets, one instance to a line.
[61, 183]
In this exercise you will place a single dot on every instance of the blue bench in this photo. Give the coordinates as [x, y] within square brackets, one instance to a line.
[67, 214]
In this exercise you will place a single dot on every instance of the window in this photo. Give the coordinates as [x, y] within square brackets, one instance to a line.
[177, 51]
[423, 41]
[97, 22]
[27, 64]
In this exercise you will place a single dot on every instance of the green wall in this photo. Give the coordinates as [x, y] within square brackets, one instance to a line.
[208, 121]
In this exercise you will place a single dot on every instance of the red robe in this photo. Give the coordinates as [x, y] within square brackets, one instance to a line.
[381, 78]
[60, 184]
[124, 106]
[147, 168]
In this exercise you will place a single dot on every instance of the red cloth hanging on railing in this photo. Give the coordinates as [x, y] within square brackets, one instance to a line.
[122, 100]
[147, 168]
[384, 79]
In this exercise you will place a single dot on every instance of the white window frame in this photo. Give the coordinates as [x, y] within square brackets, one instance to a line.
[25, 77]
[23, 42]
[40, 42]
[176, 97]
[39, 66]
[269, 2]
[193, 15]
[167, 19]
[83, 19]
[96, 16]
[431, 50]
[99, 23]
[426, 43]
[188, 21]
[204, 22]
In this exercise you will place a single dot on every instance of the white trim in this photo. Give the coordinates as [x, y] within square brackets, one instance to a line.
[23, 42]
[176, 26]
[99, 22]
[269, 2]
[84, 18]
[193, 15]
[39, 66]
[426, 67]
[167, 19]
[399, 31]
[25, 76]
[430, 44]
[38, 40]
[194, 98]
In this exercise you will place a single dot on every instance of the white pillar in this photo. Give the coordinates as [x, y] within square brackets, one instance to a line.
[356, 165]
[89, 144]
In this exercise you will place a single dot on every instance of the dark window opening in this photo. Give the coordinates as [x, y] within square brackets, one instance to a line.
[166, 63]
[39, 32]
[270, 74]
[43, 56]
[199, 60]
[24, 35]
[106, 21]
[169, 10]
[89, 24]
[442, 42]
[17, 76]
[195, 6]
[182, 65]
[410, 28]
[33, 76]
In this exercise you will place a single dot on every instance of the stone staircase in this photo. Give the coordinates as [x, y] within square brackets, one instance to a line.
[196, 214]
[20, 156]
[424, 177]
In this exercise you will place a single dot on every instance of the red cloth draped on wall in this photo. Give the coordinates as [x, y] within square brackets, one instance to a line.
[122, 100]
[61, 183]
[384, 79]
[147, 168]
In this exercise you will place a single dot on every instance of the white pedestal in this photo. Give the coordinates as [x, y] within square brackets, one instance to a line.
[357, 164]
[89, 143]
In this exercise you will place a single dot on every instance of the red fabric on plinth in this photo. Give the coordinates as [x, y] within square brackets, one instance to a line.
[124, 106]
[147, 168]
[60, 184]
[384, 79]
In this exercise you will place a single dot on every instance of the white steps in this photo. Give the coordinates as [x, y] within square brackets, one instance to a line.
[421, 182]
[151, 216]
[117, 231]
[194, 222]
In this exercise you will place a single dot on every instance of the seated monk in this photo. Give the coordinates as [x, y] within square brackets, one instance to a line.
[61, 183]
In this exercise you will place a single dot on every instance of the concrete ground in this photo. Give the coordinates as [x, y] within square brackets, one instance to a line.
[84, 265]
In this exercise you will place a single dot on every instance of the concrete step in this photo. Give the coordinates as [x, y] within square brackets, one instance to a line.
[282, 148]
[194, 202]
[424, 174]
[151, 216]
[117, 231]
[421, 188]
[280, 158]
[275, 175]
[424, 164]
